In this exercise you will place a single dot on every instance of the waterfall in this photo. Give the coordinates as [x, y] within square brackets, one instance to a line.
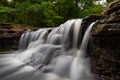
[80, 69]
[50, 54]
[28, 37]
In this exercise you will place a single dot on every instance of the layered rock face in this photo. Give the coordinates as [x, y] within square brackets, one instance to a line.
[105, 55]
[10, 35]
[106, 52]
[112, 12]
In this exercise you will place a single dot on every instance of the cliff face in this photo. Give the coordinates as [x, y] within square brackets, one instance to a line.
[105, 55]
[106, 52]
[112, 12]
[10, 35]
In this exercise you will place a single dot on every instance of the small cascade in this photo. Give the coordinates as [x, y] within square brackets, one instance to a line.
[40, 40]
[24, 40]
[28, 37]
[50, 54]
[80, 69]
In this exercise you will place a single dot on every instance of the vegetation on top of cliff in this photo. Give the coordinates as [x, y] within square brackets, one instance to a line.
[46, 13]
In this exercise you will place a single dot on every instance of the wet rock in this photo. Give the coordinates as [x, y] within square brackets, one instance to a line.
[6, 26]
[10, 35]
[105, 59]
[112, 12]
[106, 52]
[87, 21]
[105, 55]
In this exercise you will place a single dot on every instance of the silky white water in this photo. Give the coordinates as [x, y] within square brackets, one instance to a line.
[50, 54]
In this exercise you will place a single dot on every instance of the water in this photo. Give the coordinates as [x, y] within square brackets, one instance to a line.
[80, 69]
[28, 37]
[50, 54]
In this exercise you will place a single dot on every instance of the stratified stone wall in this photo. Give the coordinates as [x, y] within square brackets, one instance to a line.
[105, 55]
[10, 35]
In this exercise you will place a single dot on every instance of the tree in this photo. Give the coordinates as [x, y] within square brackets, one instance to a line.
[110, 1]
[67, 9]
[46, 13]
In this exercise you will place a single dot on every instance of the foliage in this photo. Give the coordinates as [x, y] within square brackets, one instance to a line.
[109, 1]
[91, 10]
[46, 13]
[67, 9]
[5, 13]
[34, 14]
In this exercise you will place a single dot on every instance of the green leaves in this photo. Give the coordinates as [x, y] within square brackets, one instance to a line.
[109, 1]
[46, 13]
[5, 9]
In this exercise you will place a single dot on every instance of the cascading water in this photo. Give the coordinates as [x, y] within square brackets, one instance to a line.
[80, 69]
[28, 37]
[46, 55]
